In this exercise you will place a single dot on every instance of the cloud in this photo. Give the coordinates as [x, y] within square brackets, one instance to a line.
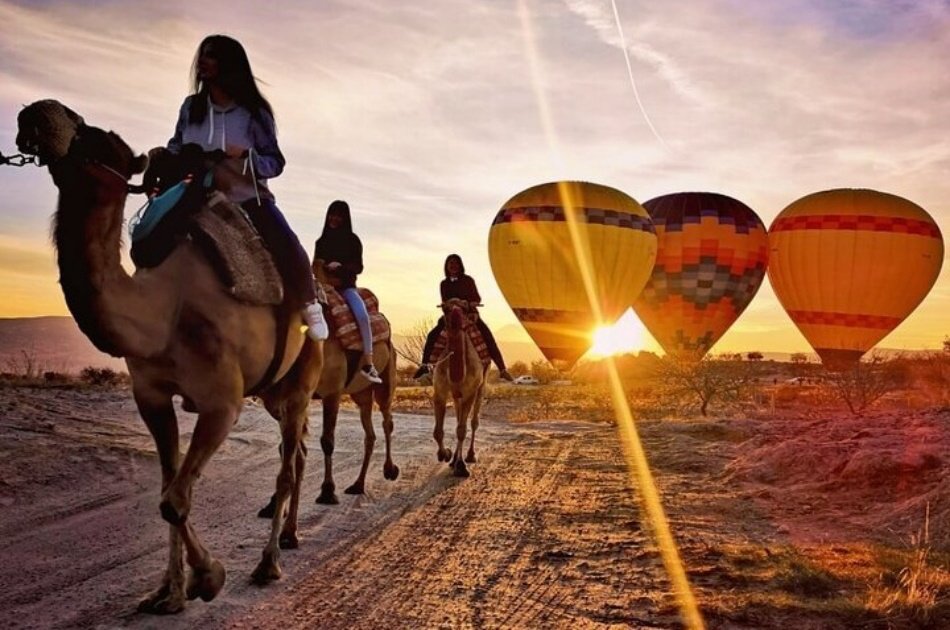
[424, 115]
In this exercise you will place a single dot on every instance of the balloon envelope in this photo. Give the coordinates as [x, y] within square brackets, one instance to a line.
[537, 257]
[712, 252]
[849, 266]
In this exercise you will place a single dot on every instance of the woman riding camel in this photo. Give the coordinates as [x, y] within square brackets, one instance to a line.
[342, 254]
[227, 112]
[458, 284]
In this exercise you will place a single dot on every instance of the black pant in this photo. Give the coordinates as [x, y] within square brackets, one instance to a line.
[290, 258]
[489, 338]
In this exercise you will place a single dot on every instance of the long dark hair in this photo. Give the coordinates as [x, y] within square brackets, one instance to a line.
[234, 77]
[346, 228]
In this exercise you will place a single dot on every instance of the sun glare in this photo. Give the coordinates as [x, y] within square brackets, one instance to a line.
[626, 335]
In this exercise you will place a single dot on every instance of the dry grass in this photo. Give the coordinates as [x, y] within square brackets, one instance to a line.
[912, 588]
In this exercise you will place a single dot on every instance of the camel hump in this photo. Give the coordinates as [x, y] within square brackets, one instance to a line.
[343, 324]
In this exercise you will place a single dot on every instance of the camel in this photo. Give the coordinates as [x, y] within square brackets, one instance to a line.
[332, 387]
[180, 334]
[462, 375]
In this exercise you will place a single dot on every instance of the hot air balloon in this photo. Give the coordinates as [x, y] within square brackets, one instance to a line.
[712, 251]
[850, 265]
[538, 245]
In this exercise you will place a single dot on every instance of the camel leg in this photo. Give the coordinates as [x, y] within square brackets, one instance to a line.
[331, 407]
[288, 537]
[442, 453]
[159, 415]
[384, 400]
[292, 428]
[460, 470]
[207, 574]
[364, 400]
[476, 409]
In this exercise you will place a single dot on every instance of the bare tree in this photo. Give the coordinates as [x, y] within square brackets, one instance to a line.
[414, 340]
[706, 380]
[867, 382]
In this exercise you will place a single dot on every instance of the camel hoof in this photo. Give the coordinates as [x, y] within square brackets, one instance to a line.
[266, 572]
[460, 470]
[470, 458]
[328, 498]
[391, 472]
[441, 456]
[268, 510]
[171, 515]
[162, 602]
[206, 583]
[356, 488]
[288, 541]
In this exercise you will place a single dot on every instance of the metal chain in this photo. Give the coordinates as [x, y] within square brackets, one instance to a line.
[17, 160]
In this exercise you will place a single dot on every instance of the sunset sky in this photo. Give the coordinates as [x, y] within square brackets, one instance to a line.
[427, 116]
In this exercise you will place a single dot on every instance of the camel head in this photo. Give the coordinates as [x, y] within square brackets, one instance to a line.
[52, 131]
[456, 314]
[46, 129]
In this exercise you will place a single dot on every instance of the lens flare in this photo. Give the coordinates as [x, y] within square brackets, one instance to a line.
[624, 336]
[637, 465]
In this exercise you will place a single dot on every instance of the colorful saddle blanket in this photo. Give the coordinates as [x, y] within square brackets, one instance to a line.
[343, 325]
[442, 344]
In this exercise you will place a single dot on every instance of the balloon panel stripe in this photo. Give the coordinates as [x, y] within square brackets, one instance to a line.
[593, 216]
[553, 316]
[899, 225]
[849, 320]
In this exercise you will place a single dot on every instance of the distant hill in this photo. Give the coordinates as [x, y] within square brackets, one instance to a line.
[49, 344]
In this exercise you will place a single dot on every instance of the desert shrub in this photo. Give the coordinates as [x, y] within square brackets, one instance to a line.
[100, 376]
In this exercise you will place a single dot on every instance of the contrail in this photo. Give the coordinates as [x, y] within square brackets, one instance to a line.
[633, 83]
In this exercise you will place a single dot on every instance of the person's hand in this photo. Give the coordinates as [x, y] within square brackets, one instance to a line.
[333, 266]
[235, 151]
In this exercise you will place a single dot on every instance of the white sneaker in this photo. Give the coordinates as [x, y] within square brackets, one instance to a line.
[370, 374]
[317, 328]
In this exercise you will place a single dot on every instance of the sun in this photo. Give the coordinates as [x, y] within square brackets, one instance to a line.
[626, 335]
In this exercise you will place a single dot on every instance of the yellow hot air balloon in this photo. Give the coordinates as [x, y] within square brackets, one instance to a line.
[850, 265]
[568, 257]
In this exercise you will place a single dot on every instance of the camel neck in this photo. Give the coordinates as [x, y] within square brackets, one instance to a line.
[111, 308]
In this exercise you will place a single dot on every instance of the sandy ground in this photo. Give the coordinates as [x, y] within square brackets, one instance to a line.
[546, 533]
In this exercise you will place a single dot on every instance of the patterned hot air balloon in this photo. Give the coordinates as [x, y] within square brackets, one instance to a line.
[536, 255]
[850, 265]
[712, 251]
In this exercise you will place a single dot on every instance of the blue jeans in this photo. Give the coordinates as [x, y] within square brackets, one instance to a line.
[358, 308]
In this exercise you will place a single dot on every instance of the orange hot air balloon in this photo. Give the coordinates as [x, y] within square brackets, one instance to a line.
[537, 255]
[712, 251]
[850, 265]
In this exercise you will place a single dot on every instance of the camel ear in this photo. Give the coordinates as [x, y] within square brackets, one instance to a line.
[139, 164]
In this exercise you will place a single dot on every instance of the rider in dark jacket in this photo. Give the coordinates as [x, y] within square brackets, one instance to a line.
[458, 284]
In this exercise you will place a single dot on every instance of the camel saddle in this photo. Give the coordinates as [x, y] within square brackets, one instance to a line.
[191, 210]
[343, 324]
[442, 344]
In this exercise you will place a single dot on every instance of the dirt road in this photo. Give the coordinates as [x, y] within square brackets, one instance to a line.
[546, 533]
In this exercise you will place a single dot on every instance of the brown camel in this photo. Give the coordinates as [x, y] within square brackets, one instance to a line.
[337, 368]
[180, 333]
[460, 374]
